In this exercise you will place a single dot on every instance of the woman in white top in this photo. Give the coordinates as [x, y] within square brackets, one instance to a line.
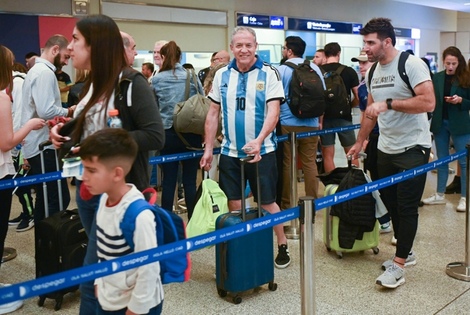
[9, 140]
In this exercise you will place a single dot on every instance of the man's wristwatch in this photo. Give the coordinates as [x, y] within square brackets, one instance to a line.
[389, 103]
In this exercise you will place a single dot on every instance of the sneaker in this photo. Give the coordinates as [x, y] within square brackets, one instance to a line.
[283, 259]
[462, 207]
[386, 228]
[9, 307]
[410, 261]
[25, 224]
[16, 220]
[393, 277]
[435, 199]
[394, 241]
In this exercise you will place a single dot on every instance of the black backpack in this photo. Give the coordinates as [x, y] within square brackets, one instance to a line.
[306, 91]
[336, 95]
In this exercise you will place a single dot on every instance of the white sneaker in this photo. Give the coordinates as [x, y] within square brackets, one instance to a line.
[394, 241]
[410, 261]
[9, 307]
[462, 207]
[385, 228]
[436, 199]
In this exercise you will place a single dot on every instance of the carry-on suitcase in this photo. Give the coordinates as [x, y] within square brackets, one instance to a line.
[60, 241]
[370, 240]
[245, 262]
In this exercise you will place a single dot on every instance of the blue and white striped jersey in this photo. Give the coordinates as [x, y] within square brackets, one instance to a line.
[243, 97]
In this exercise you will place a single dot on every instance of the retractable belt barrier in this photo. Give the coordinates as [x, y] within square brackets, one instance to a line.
[36, 179]
[76, 276]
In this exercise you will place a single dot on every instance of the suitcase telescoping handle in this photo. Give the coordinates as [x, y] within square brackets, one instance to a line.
[42, 146]
[243, 161]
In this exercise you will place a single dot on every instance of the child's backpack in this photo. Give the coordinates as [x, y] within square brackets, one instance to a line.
[169, 228]
[306, 92]
[336, 95]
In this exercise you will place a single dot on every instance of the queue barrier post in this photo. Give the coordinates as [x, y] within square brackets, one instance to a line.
[292, 230]
[461, 270]
[307, 262]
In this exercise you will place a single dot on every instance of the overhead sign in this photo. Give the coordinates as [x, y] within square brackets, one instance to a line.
[262, 21]
[403, 32]
[323, 26]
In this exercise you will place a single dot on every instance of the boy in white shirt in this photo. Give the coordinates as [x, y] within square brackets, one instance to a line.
[107, 157]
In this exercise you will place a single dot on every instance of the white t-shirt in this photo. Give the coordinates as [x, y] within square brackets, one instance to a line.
[400, 131]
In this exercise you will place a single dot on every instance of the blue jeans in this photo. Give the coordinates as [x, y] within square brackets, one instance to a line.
[87, 210]
[442, 139]
[173, 145]
[157, 310]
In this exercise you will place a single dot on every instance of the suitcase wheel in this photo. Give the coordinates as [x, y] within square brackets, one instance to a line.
[375, 250]
[328, 249]
[41, 300]
[272, 286]
[237, 299]
[222, 293]
[339, 254]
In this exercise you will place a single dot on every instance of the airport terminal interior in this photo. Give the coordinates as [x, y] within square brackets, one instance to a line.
[341, 286]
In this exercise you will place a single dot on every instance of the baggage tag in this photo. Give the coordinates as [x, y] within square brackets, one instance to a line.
[72, 167]
[215, 207]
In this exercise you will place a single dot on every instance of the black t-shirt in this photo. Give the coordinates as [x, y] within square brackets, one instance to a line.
[349, 75]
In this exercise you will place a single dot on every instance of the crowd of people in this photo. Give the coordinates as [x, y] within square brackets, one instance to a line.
[250, 98]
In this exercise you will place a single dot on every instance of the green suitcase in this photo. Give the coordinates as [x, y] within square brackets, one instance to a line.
[370, 240]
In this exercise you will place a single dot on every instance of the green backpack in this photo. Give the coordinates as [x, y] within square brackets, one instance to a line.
[212, 203]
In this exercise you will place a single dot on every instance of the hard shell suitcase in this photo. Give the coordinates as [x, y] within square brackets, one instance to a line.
[370, 240]
[245, 262]
[60, 244]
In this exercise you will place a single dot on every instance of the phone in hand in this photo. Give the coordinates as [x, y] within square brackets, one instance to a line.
[447, 98]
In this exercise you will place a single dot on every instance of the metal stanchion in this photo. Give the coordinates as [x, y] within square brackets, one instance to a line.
[461, 270]
[307, 262]
[292, 230]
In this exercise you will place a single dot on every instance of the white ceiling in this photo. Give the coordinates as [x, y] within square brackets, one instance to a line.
[455, 5]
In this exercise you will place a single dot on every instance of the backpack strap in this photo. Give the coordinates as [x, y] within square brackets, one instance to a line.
[127, 224]
[340, 69]
[401, 71]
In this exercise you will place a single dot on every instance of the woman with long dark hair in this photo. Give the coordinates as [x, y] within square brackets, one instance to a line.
[451, 119]
[169, 84]
[9, 140]
[97, 46]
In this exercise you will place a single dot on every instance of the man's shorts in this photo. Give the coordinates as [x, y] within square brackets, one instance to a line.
[347, 138]
[230, 177]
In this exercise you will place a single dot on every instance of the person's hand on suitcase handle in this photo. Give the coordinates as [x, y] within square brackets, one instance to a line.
[252, 148]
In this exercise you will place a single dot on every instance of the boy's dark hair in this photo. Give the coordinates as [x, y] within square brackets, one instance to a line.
[149, 65]
[332, 49]
[382, 26]
[296, 44]
[109, 143]
[30, 54]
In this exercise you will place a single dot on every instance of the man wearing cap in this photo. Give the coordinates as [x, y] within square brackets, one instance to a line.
[370, 145]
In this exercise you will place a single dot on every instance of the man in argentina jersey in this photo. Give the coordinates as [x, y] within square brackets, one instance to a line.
[248, 94]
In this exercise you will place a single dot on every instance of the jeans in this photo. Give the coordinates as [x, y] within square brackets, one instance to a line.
[402, 199]
[173, 145]
[5, 209]
[307, 152]
[442, 139]
[52, 187]
[157, 310]
[87, 210]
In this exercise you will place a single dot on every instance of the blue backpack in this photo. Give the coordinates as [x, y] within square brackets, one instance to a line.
[169, 228]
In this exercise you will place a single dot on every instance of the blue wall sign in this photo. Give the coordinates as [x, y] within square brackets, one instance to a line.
[323, 26]
[261, 21]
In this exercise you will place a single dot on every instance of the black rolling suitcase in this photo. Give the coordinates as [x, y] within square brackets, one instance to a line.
[61, 243]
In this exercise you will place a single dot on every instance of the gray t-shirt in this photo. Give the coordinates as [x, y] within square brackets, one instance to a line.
[400, 131]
